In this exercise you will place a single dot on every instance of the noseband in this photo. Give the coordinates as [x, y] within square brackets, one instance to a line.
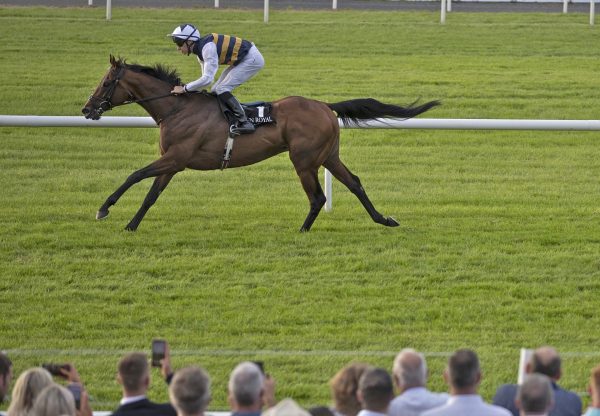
[105, 99]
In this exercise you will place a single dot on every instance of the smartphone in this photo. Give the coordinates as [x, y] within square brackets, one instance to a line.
[75, 389]
[260, 365]
[159, 347]
[54, 369]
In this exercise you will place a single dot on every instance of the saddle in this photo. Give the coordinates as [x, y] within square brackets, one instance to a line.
[258, 113]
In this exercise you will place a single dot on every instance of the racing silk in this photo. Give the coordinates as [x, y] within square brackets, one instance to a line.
[214, 49]
[230, 49]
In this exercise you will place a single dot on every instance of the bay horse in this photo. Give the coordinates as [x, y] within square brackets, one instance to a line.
[193, 132]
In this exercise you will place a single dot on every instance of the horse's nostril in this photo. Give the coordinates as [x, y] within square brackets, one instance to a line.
[85, 111]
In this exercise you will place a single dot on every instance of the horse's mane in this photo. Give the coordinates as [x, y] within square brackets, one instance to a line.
[157, 71]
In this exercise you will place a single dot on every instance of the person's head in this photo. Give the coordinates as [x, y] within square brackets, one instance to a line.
[594, 387]
[133, 373]
[320, 411]
[410, 369]
[184, 36]
[343, 389]
[463, 373]
[54, 400]
[545, 360]
[27, 387]
[535, 395]
[6, 373]
[375, 390]
[246, 387]
[189, 391]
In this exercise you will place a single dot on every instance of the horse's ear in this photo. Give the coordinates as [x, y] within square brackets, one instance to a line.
[113, 61]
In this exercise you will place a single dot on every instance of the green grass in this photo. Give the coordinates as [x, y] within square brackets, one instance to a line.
[498, 246]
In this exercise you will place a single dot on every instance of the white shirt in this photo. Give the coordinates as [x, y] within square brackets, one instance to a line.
[132, 399]
[415, 401]
[365, 412]
[467, 405]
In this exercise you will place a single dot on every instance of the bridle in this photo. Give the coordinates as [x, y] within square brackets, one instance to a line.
[105, 99]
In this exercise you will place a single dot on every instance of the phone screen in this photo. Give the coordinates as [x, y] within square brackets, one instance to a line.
[158, 351]
[260, 365]
[75, 389]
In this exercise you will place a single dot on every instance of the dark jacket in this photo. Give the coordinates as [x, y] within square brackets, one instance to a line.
[145, 407]
[566, 403]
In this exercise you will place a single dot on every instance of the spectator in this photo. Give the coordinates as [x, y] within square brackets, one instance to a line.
[343, 389]
[594, 390]
[535, 396]
[27, 387]
[545, 360]
[190, 391]
[464, 375]
[410, 376]
[133, 374]
[6, 373]
[375, 392]
[249, 390]
[286, 407]
[54, 400]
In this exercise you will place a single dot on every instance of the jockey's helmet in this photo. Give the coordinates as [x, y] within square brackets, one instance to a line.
[183, 33]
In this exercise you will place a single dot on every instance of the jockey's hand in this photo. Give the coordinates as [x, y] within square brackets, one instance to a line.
[178, 89]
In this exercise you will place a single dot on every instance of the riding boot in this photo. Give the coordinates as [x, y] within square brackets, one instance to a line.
[242, 125]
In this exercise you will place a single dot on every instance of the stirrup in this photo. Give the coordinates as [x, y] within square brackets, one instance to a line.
[244, 128]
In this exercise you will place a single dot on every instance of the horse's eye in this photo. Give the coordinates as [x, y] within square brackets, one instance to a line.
[106, 84]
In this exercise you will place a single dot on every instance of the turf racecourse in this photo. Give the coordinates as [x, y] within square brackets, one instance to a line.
[498, 246]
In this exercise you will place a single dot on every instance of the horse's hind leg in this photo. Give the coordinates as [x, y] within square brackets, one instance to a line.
[316, 196]
[352, 182]
[160, 183]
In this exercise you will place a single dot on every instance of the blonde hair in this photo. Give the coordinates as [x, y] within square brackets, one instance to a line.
[54, 400]
[27, 387]
[344, 386]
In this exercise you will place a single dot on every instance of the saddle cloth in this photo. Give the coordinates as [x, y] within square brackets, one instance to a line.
[259, 112]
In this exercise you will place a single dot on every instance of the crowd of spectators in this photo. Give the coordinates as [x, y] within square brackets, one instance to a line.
[356, 390]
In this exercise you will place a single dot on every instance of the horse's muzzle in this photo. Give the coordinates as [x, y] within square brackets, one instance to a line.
[91, 113]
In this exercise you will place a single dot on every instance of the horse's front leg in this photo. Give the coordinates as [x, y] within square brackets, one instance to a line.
[160, 183]
[163, 166]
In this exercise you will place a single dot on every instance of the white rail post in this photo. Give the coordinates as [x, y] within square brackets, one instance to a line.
[334, 5]
[443, 12]
[216, 4]
[565, 6]
[328, 191]
[592, 11]
[266, 12]
[449, 6]
[108, 9]
[90, 2]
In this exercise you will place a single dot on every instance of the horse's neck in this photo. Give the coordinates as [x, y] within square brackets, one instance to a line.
[145, 87]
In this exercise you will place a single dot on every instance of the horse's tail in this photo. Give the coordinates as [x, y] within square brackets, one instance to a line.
[351, 111]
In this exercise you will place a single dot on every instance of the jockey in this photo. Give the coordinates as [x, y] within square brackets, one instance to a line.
[242, 56]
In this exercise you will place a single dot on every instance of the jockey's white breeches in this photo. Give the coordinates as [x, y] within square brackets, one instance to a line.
[235, 75]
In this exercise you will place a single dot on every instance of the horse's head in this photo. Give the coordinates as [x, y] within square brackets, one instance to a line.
[109, 93]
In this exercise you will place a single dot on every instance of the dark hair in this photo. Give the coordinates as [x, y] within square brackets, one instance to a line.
[132, 369]
[376, 388]
[321, 411]
[463, 368]
[5, 364]
[550, 368]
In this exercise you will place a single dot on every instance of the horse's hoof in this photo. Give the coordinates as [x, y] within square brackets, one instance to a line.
[100, 215]
[130, 228]
[391, 222]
